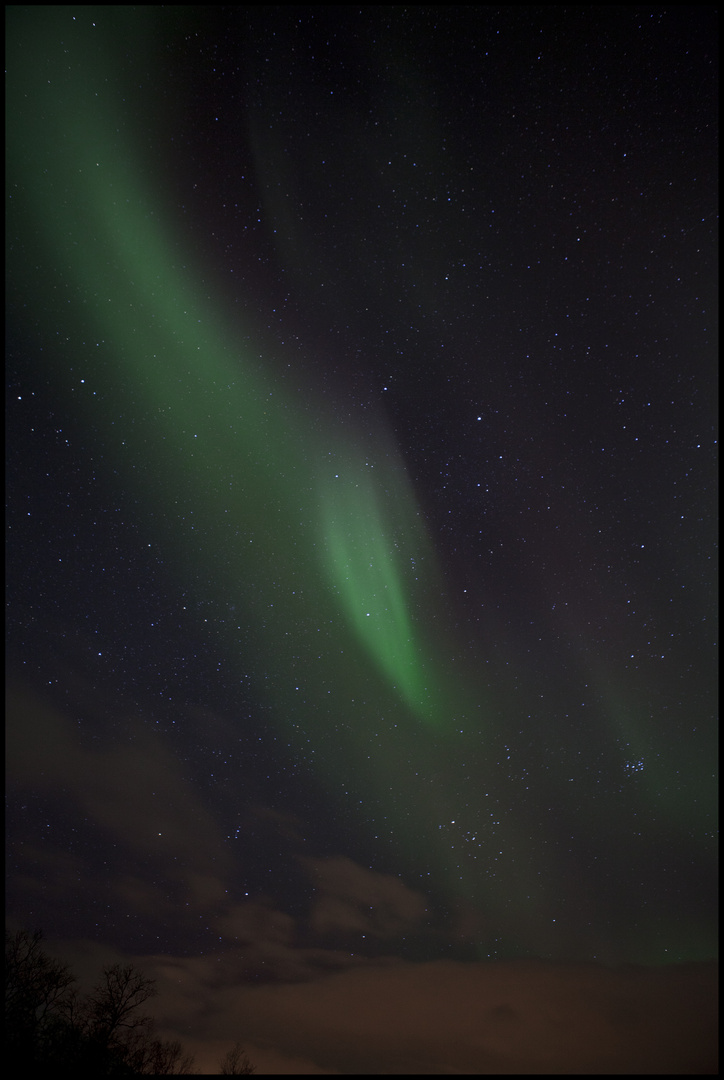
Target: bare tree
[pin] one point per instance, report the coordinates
(36, 987)
(157, 1057)
(116, 1024)
(169, 1058)
(113, 1004)
(49, 1025)
(236, 1063)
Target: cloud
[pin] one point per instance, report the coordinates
(303, 1009)
(446, 1017)
(294, 988)
(263, 944)
(123, 826)
(355, 900)
(134, 790)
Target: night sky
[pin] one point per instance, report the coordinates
(361, 510)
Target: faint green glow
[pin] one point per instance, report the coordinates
(661, 779)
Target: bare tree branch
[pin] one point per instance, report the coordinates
(236, 1063)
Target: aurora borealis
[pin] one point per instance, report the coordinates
(361, 499)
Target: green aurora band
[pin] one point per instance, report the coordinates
(307, 523)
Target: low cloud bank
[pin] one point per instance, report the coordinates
(444, 1017)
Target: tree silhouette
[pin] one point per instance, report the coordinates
(236, 1063)
(48, 1025)
(36, 988)
(112, 1014)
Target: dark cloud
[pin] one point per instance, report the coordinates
(514, 1017)
(355, 900)
(303, 990)
(134, 790)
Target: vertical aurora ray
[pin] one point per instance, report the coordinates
(366, 565)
